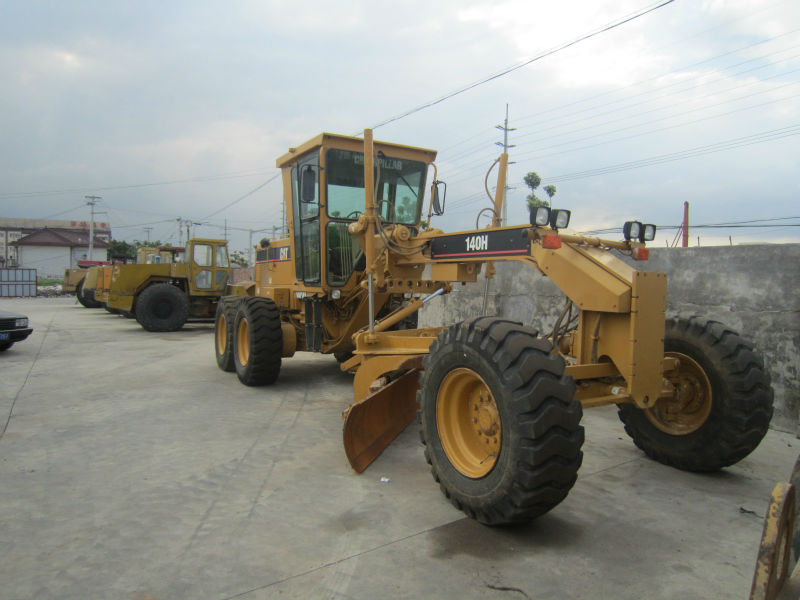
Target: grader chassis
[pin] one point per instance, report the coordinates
(499, 405)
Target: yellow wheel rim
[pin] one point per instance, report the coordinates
(690, 405)
(243, 342)
(468, 423)
(222, 333)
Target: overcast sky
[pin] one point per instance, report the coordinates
(176, 109)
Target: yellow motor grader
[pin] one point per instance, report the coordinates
(499, 404)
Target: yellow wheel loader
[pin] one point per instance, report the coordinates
(174, 284)
(499, 404)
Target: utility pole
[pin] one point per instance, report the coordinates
(685, 226)
(147, 230)
(505, 146)
(91, 201)
(250, 247)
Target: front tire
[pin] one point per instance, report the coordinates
(223, 331)
(499, 421)
(722, 404)
(162, 307)
(5, 346)
(257, 341)
(86, 297)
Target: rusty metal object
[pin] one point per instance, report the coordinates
(373, 422)
(774, 553)
(687, 409)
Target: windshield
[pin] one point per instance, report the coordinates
(399, 183)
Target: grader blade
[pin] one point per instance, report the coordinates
(372, 423)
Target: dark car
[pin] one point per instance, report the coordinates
(13, 328)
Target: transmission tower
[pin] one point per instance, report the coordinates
(505, 146)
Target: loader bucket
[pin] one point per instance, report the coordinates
(372, 423)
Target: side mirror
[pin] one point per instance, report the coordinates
(438, 202)
(308, 183)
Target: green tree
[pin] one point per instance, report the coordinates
(533, 181)
(147, 244)
(121, 250)
(238, 259)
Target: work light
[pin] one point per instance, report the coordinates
(540, 216)
(631, 230)
(559, 218)
(648, 232)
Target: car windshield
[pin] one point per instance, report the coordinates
(399, 183)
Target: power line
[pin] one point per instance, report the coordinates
(129, 186)
(522, 64)
(683, 154)
(691, 88)
(240, 198)
(753, 223)
(570, 116)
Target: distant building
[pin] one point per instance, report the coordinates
(50, 246)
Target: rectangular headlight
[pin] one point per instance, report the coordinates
(631, 230)
(540, 216)
(649, 233)
(21, 322)
(559, 218)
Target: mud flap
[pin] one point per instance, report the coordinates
(372, 423)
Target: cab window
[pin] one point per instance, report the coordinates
(222, 257)
(202, 255)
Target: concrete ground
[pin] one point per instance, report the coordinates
(132, 467)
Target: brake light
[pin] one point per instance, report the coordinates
(641, 253)
(551, 241)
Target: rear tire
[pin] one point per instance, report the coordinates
(86, 297)
(257, 341)
(223, 331)
(723, 402)
(499, 421)
(162, 307)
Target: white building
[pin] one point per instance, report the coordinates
(13, 230)
(51, 251)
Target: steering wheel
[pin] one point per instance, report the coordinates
(354, 215)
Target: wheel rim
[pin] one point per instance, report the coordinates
(222, 333)
(690, 405)
(468, 423)
(243, 342)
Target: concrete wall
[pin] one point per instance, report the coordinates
(752, 289)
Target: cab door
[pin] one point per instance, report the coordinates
(209, 267)
(305, 201)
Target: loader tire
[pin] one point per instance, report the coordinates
(499, 421)
(223, 331)
(257, 341)
(722, 406)
(162, 307)
(86, 297)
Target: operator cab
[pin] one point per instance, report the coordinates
(326, 179)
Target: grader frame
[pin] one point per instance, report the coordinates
(499, 405)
